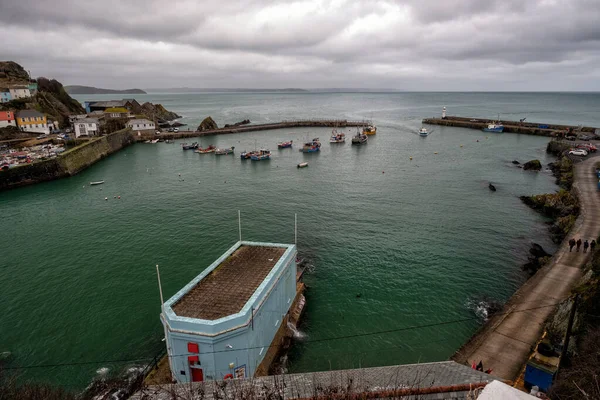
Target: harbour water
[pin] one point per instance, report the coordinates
(394, 244)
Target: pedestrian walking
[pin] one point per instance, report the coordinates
(586, 244)
(571, 244)
(592, 246)
(578, 244)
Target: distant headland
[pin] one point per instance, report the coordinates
(77, 89)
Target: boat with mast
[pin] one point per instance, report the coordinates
(222, 152)
(370, 129)
(359, 138)
(209, 149)
(262, 154)
(495, 127)
(337, 137)
(192, 146)
(311, 146)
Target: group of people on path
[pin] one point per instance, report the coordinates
(586, 244)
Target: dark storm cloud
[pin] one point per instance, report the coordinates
(413, 44)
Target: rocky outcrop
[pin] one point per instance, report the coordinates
(557, 147)
(12, 73)
(156, 112)
(515, 162)
(563, 171)
(244, 122)
(208, 124)
(537, 259)
(534, 165)
(563, 207)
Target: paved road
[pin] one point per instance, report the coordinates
(506, 342)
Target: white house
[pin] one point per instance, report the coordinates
(141, 125)
(86, 127)
(19, 92)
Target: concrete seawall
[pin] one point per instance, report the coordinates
(325, 123)
(67, 164)
(529, 128)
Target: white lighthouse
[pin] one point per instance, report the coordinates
(444, 113)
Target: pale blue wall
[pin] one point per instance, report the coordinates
(271, 302)
(4, 97)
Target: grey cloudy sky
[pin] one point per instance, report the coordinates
(406, 45)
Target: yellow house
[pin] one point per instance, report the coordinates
(32, 121)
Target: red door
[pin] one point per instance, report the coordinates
(197, 375)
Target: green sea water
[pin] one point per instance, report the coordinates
(392, 243)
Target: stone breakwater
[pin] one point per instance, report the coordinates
(529, 128)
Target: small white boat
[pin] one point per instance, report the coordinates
(423, 132)
(303, 165)
(154, 141)
(96, 183)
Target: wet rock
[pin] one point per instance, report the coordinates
(244, 122)
(538, 257)
(492, 187)
(208, 124)
(516, 162)
(534, 165)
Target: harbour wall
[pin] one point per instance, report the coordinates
(529, 128)
(325, 123)
(68, 163)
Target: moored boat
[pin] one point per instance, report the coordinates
(302, 165)
(496, 127)
(96, 183)
(262, 154)
(209, 149)
(359, 138)
(312, 146)
(285, 145)
(192, 146)
(337, 137)
(222, 152)
(370, 130)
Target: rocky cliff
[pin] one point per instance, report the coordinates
(158, 112)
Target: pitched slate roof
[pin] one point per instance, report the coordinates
(139, 122)
(29, 113)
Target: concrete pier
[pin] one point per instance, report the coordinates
(312, 123)
(529, 128)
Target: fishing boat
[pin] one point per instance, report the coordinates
(337, 137)
(312, 146)
(423, 132)
(96, 183)
(360, 138)
(192, 146)
(222, 152)
(496, 127)
(370, 130)
(285, 145)
(302, 165)
(209, 149)
(246, 155)
(262, 154)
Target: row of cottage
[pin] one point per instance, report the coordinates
(15, 92)
(88, 124)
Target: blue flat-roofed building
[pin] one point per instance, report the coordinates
(222, 324)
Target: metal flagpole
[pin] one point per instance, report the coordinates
(240, 223)
(162, 309)
(295, 229)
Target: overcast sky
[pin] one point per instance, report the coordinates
(406, 45)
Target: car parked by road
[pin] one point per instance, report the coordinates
(578, 152)
(590, 148)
